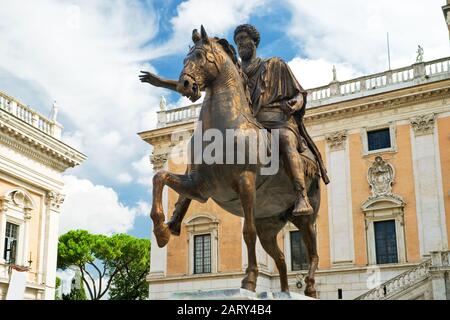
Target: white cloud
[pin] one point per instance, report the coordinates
(314, 73)
(144, 171)
(354, 31)
(86, 55)
(142, 208)
(124, 178)
(94, 208)
(216, 16)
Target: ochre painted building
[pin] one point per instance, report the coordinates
(385, 139)
(384, 221)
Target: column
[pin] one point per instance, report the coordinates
(53, 205)
(428, 184)
(339, 200)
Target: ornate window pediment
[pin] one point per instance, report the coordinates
(203, 225)
(19, 200)
(15, 214)
(382, 203)
(383, 207)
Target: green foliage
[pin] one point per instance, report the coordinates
(120, 260)
(129, 283)
(57, 285)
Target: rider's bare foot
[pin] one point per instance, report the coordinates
(302, 207)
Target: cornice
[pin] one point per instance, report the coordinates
(392, 99)
(39, 146)
(156, 136)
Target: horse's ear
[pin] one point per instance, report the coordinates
(204, 35)
(195, 36)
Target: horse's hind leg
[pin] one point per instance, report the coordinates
(267, 229)
(186, 185)
(306, 225)
(246, 191)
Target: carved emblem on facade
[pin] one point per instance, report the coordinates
(380, 177)
(423, 124)
(336, 140)
(158, 161)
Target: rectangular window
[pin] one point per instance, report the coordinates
(299, 256)
(385, 242)
(379, 139)
(202, 253)
(10, 253)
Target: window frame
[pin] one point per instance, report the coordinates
(16, 208)
(371, 132)
(202, 236)
(382, 209)
(17, 243)
(365, 139)
(375, 240)
(201, 224)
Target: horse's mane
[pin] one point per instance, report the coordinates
(231, 52)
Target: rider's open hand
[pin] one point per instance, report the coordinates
(150, 78)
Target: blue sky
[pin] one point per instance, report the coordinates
(87, 56)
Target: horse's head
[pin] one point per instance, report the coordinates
(202, 64)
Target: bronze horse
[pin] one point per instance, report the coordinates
(265, 201)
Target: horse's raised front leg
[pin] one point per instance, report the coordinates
(187, 185)
(246, 190)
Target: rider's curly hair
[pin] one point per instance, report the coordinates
(251, 31)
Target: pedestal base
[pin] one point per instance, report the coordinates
(237, 294)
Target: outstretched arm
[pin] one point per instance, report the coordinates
(156, 81)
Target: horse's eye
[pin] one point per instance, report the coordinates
(198, 55)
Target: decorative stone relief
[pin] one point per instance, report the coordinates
(336, 140)
(19, 199)
(158, 161)
(423, 124)
(380, 177)
(55, 200)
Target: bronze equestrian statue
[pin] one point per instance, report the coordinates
(266, 202)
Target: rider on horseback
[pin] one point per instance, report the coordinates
(278, 102)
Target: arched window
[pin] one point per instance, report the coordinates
(385, 230)
(203, 244)
(15, 215)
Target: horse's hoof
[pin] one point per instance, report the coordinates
(248, 285)
(174, 228)
(249, 282)
(162, 235)
(311, 293)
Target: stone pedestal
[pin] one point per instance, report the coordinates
(237, 294)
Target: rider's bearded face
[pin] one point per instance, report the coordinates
(246, 46)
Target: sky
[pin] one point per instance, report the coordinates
(87, 55)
